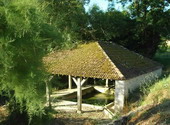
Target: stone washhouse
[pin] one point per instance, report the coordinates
(103, 60)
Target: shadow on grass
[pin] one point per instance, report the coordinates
(163, 110)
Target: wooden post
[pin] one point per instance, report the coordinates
(79, 82)
(48, 95)
(48, 91)
(69, 82)
(107, 83)
(79, 96)
(94, 81)
(113, 84)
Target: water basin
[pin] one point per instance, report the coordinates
(96, 98)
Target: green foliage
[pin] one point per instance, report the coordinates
(25, 36)
(139, 27)
(159, 92)
(111, 25)
(58, 83)
(30, 29)
(163, 56)
(152, 24)
(70, 18)
(46, 119)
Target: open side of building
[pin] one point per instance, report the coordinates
(104, 60)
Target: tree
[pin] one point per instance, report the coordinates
(112, 25)
(151, 24)
(26, 35)
(71, 19)
(140, 26)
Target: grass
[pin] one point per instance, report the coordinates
(158, 92)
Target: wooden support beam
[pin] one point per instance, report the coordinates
(75, 80)
(107, 83)
(69, 82)
(48, 95)
(94, 81)
(114, 83)
(79, 96)
(79, 82)
(83, 81)
(48, 92)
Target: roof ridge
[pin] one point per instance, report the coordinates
(118, 71)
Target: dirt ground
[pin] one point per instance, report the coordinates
(86, 118)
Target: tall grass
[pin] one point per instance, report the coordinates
(159, 92)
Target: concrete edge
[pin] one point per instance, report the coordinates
(107, 110)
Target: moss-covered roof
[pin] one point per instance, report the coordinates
(99, 60)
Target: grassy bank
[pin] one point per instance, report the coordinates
(159, 92)
(157, 102)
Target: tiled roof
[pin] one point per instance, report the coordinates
(99, 60)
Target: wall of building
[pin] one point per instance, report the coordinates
(123, 87)
(136, 82)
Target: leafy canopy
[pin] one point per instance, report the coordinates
(26, 34)
(141, 26)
